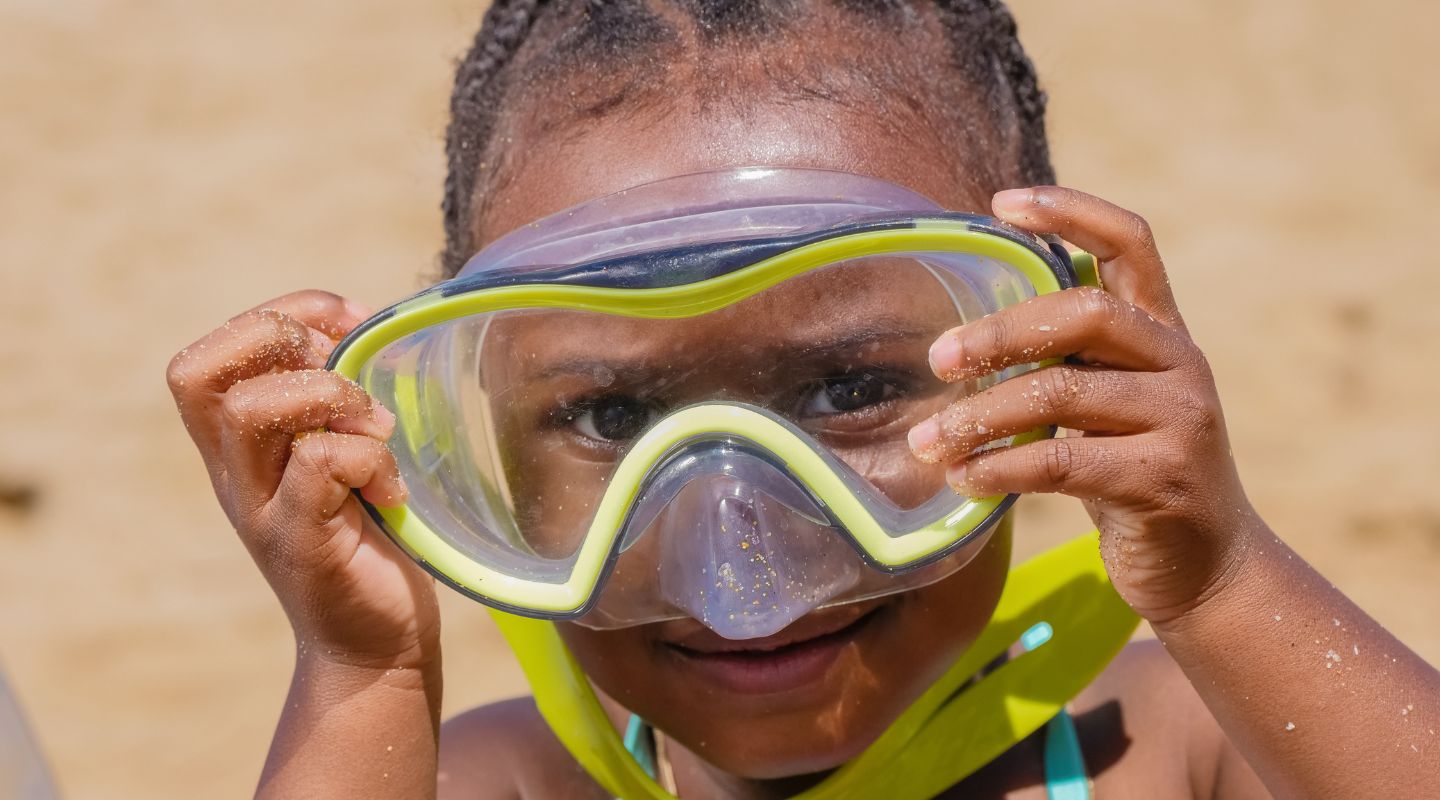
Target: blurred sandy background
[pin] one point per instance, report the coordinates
(165, 164)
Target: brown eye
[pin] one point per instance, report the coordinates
(614, 419)
(848, 393)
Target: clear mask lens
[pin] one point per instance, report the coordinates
(514, 424)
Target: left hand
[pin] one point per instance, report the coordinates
(1152, 463)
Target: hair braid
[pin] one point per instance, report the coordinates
(989, 26)
(474, 105)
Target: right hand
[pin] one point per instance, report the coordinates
(285, 442)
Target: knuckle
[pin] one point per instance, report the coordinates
(1193, 409)
(317, 296)
(320, 306)
(240, 407)
(1059, 389)
(179, 373)
(1095, 305)
(996, 335)
(1057, 461)
(282, 338)
(1193, 359)
(340, 396)
(1200, 416)
(285, 330)
(315, 455)
(1142, 237)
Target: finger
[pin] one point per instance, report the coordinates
(1076, 397)
(1089, 323)
(1089, 467)
(327, 312)
(1130, 264)
(260, 340)
(296, 331)
(322, 470)
(261, 417)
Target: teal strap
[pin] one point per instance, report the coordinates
(1065, 776)
(640, 744)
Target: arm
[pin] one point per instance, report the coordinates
(355, 731)
(1253, 627)
(287, 443)
(1319, 697)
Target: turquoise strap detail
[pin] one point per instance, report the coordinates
(638, 742)
(1065, 776)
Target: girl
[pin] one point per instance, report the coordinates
(1265, 677)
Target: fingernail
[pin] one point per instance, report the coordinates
(1013, 200)
(384, 417)
(955, 476)
(945, 355)
(924, 436)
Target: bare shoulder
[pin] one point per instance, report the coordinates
(1146, 733)
(505, 751)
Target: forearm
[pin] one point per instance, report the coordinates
(1318, 697)
(354, 732)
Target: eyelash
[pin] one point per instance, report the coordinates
(567, 417)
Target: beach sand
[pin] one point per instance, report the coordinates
(166, 164)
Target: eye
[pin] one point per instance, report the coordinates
(848, 393)
(613, 419)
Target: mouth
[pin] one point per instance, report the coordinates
(791, 659)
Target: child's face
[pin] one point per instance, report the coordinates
(846, 672)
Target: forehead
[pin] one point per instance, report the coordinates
(901, 128)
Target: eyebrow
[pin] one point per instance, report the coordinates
(879, 331)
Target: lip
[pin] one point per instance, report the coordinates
(794, 658)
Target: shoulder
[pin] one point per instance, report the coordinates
(506, 750)
(1146, 732)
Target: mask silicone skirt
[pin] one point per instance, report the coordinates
(714, 429)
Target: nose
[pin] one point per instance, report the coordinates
(745, 564)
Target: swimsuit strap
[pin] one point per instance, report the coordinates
(640, 743)
(1065, 776)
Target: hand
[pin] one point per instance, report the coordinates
(1152, 462)
(285, 442)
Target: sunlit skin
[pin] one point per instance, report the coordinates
(1235, 696)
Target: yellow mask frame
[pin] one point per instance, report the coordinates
(571, 597)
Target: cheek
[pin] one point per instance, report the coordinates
(622, 663)
(940, 621)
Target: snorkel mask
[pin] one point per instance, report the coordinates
(691, 399)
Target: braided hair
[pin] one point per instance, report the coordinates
(549, 36)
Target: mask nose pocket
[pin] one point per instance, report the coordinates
(743, 549)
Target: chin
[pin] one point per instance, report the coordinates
(813, 753)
